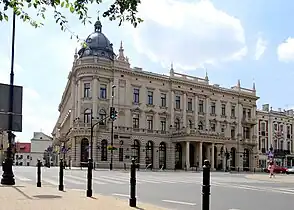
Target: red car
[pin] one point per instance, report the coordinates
(278, 169)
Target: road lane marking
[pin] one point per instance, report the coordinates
(179, 202)
(24, 179)
(108, 179)
(121, 195)
(84, 179)
(50, 181)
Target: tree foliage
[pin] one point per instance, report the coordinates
(121, 10)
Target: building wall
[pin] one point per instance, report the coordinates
(184, 96)
(39, 143)
(23, 159)
(275, 129)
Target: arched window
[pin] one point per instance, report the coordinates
(84, 151)
(162, 155)
(104, 150)
(177, 124)
(246, 163)
(149, 153)
(102, 117)
(121, 151)
(87, 116)
(136, 150)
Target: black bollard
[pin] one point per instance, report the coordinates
(89, 185)
(39, 173)
(133, 200)
(206, 185)
(61, 186)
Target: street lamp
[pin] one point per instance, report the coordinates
(111, 137)
(8, 176)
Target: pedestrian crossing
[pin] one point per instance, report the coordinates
(124, 179)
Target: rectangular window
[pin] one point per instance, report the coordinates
(233, 132)
(212, 127)
(87, 90)
(201, 107)
(103, 91)
(212, 108)
(190, 104)
(281, 128)
(150, 97)
(233, 112)
(136, 95)
(163, 124)
(223, 110)
(244, 113)
(249, 114)
(262, 126)
(87, 117)
(246, 133)
(135, 121)
(163, 99)
(150, 123)
(178, 102)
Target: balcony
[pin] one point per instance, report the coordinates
(249, 120)
(281, 152)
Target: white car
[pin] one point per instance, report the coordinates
(290, 170)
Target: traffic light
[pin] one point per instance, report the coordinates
(113, 113)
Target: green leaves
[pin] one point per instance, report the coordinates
(121, 10)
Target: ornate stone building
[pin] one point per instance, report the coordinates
(275, 130)
(173, 121)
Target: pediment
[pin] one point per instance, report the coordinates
(138, 110)
(150, 111)
(164, 113)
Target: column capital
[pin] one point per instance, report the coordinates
(95, 77)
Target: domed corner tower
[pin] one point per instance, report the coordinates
(97, 44)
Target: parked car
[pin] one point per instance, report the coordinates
(278, 169)
(290, 170)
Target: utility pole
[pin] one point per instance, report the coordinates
(8, 176)
(112, 119)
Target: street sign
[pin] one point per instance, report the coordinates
(16, 110)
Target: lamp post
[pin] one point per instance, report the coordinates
(8, 176)
(111, 137)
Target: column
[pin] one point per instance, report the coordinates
(185, 110)
(224, 158)
(95, 97)
(116, 92)
(79, 98)
(188, 154)
(207, 113)
(212, 157)
(200, 155)
(196, 112)
(172, 100)
(73, 102)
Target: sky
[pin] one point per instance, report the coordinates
(246, 39)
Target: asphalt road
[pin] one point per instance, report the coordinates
(175, 190)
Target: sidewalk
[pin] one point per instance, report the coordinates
(28, 197)
(278, 178)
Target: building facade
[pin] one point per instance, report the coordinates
(275, 130)
(39, 143)
(172, 122)
(22, 156)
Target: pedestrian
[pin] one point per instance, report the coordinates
(271, 170)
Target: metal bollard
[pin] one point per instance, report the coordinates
(206, 185)
(133, 200)
(89, 184)
(61, 186)
(39, 173)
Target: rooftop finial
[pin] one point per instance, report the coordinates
(98, 25)
(121, 55)
(239, 83)
(206, 75)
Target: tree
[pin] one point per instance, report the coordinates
(121, 10)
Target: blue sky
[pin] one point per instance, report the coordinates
(246, 39)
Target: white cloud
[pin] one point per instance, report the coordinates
(285, 50)
(188, 34)
(260, 47)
